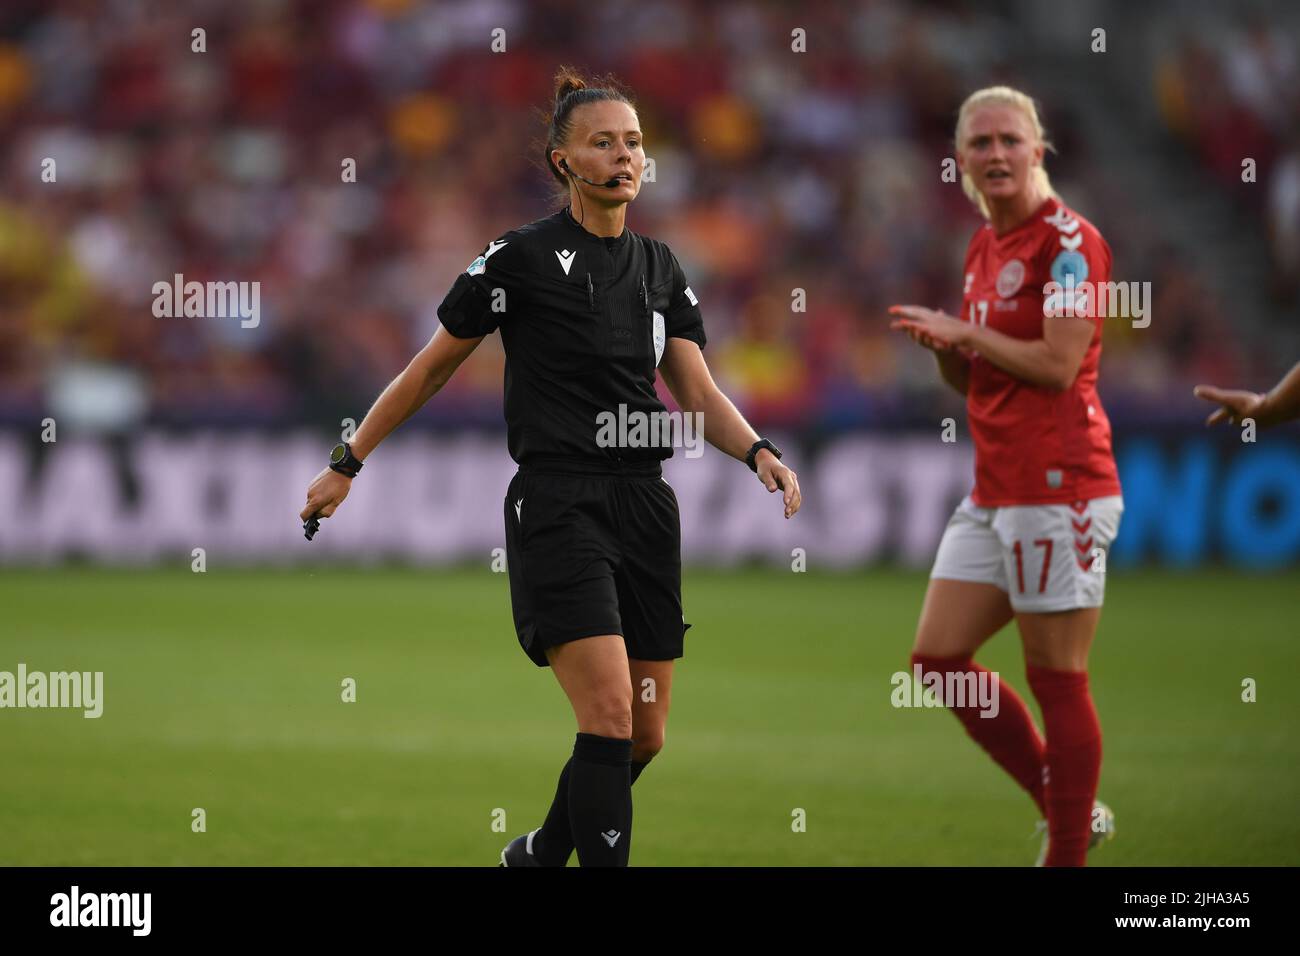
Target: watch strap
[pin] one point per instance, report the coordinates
(349, 464)
(756, 448)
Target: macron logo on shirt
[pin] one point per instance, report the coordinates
(566, 259)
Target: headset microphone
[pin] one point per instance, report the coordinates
(611, 183)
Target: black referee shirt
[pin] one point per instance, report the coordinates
(584, 321)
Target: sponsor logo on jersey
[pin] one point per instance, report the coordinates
(1011, 278)
(1062, 220)
(1068, 226)
(566, 259)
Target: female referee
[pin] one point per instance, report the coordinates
(587, 311)
(1029, 542)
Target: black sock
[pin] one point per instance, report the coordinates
(553, 843)
(600, 800)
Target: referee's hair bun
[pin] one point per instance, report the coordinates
(567, 80)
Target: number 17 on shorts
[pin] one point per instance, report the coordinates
(1046, 557)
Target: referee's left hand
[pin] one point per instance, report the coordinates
(775, 475)
(325, 493)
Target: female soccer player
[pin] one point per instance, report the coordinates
(1029, 542)
(587, 310)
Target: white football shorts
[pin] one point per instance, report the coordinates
(1046, 557)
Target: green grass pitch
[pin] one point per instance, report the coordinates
(222, 690)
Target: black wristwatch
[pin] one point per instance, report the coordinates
(758, 446)
(343, 461)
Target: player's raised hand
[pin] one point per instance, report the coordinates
(931, 328)
(1235, 404)
(776, 476)
(325, 493)
(928, 341)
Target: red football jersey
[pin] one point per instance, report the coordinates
(1036, 445)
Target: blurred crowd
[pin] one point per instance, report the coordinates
(1237, 95)
(775, 171)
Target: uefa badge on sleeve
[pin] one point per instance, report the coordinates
(1069, 268)
(659, 338)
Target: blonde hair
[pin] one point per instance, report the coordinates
(1002, 96)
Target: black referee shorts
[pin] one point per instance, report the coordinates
(595, 553)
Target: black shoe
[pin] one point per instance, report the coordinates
(519, 852)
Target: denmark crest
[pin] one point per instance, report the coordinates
(1011, 278)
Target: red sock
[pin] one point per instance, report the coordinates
(1010, 738)
(1073, 761)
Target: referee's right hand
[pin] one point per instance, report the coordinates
(325, 493)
